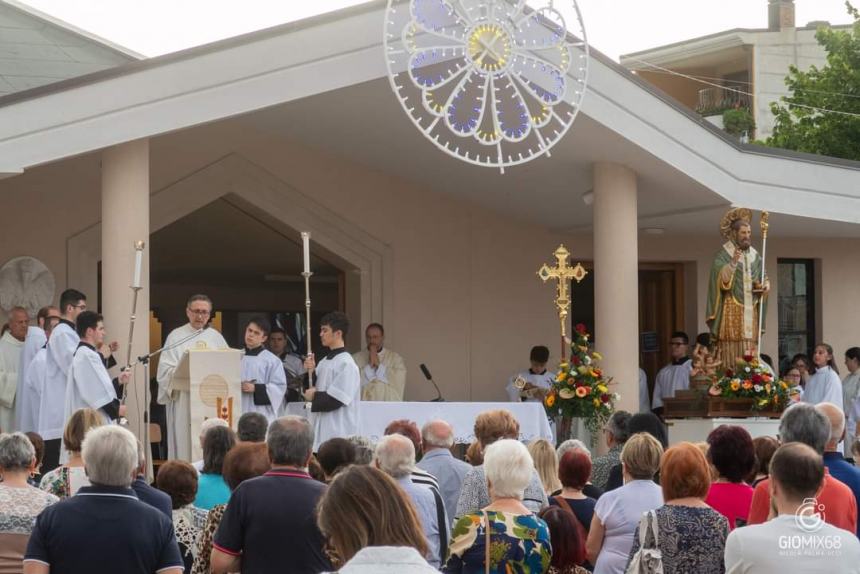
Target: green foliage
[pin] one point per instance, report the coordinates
(737, 121)
(836, 86)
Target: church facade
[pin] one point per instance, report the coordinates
(295, 129)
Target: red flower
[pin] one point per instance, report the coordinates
(757, 379)
(604, 398)
(730, 373)
(580, 328)
(576, 361)
(748, 357)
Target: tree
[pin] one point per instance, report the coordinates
(836, 86)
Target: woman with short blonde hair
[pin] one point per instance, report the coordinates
(618, 511)
(65, 480)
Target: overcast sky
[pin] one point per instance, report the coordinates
(154, 27)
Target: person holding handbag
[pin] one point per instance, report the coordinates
(684, 535)
(505, 536)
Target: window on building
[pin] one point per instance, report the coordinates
(796, 308)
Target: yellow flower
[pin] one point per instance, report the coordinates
(597, 356)
(783, 385)
(735, 385)
(560, 376)
(767, 388)
(582, 369)
(596, 402)
(581, 392)
(602, 388)
(563, 365)
(549, 400)
(763, 402)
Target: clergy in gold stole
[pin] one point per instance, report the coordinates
(383, 372)
(735, 291)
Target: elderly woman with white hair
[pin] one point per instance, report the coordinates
(20, 503)
(504, 536)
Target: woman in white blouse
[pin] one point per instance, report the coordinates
(851, 392)
(824, 386)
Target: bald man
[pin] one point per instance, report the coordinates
(35, 340)
(11, 345)
(438, 438)
(836, 465)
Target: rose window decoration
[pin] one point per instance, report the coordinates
(492, 82)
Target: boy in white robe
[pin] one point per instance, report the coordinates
(675, 376)
(89, 385)
(194, 335)
(52, 401)
(264, 381)
(537, 378)
(336, 396)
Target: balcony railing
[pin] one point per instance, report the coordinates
(716, 100)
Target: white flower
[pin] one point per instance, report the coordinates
(747, 369)
(587, 360)
(758, 388)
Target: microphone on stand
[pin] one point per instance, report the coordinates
(429, 377)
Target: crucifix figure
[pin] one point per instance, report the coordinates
(562, 273)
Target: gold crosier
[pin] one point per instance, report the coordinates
(562, 273)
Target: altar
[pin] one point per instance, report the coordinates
(376, 415)
(698, 429)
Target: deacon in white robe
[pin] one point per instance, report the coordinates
(178, 403)
(264, 381)
(52, 401)
(534, 380)
(383, 372)
(671, 379)
(10, 359)
(90, 386)
(35, 340)
(336, 396)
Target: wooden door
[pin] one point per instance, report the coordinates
(661, 311)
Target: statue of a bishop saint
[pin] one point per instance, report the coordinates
(735, 290)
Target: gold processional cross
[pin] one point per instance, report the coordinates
(562, 273)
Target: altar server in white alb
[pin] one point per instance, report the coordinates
(36, 339)
(537, 379)
(264, 381)
(33, 380)
(676, 375)
(192, 335)
(61, 349)
(383, 372)
(11, 346)
(89, 385)
(824, 385)
(336, 395)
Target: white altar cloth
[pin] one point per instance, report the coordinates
(697, 430)
(375, 416)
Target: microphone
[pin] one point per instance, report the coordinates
(429, 377)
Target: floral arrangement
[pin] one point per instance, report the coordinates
(751, 379)
(579, 389)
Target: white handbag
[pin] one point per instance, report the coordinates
(647, 560)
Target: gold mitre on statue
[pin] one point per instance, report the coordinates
(729, 219)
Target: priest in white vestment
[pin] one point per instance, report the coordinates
(675, 376)
(52, 400)
(531, 385)
(383, 372)
(264, 380)
(192, 335)
(336, 395)
(31, 380)
(11, 346)
(89, 385)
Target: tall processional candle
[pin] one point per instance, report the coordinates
(138, 264)
(306, 273)
(306, 247)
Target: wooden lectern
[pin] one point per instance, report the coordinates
(213, 379)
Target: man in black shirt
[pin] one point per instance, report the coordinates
(269, 521)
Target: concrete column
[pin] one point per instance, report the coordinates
(125, 220)
(616, 279)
